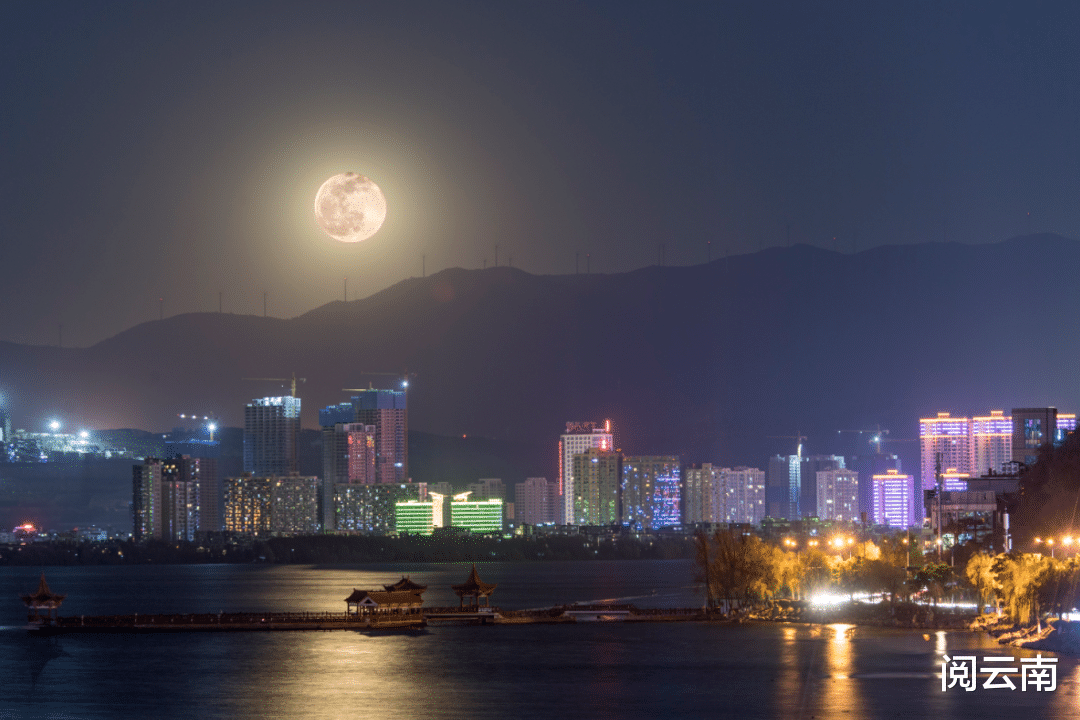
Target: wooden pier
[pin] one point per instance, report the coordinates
(397, 607)
(226, 622)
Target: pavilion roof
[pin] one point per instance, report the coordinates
(473, 585)
(44, 597)
(385, 598)
(405, 583)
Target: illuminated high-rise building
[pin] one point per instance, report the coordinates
(348, 459)
(651, 491)
(699, 493)
(991, 443)
(181, 480)
(596, 487)
(371, 508)
(536, 501)
(894, 500)
(712, 494)
(579, 437)
(146, 500)
(783, 487)
(386, 411)
(739, 496)
(349, 454)
(479, 516)
(197, 445)
(165, 498)
(946, 438)
(278, 505)
(271, 436)
(837, 494)
(417, 517)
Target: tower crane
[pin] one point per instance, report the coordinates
(879, 436)
(405, 375)
(797, 436)
(292, 381)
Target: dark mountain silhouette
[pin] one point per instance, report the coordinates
(704, 361)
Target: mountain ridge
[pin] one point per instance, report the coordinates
(706, 361)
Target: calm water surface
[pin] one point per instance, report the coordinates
(676, 670)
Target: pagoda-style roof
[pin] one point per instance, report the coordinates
(474, 586)
(405, 583)
(44, 597)
(380, 598)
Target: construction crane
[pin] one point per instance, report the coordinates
(878, 436)
(404, 375)
(293, 380)
(797, 436)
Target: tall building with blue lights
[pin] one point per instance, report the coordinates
(651, 491)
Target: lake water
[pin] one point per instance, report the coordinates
(618, 670)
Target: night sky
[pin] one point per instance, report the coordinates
(173, 150)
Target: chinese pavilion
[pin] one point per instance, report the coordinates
(474, 588)
(405, 583)
(42, 600)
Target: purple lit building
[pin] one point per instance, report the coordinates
(894, 500)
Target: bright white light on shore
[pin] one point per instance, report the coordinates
(54, 425)
(83, 434)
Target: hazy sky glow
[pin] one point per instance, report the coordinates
(174, 149)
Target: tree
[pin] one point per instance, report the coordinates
(980, 573)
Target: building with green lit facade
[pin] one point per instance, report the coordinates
(478, 516)
(414, 517)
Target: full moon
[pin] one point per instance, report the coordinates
(350, 207)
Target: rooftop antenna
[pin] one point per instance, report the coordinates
(264, 303)
(423, 266)
(346, 289)
(708, 244)
(588, 263)
(161, 308)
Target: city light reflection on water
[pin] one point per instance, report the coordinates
(592, 670)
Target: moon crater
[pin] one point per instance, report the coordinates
(350, 207)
